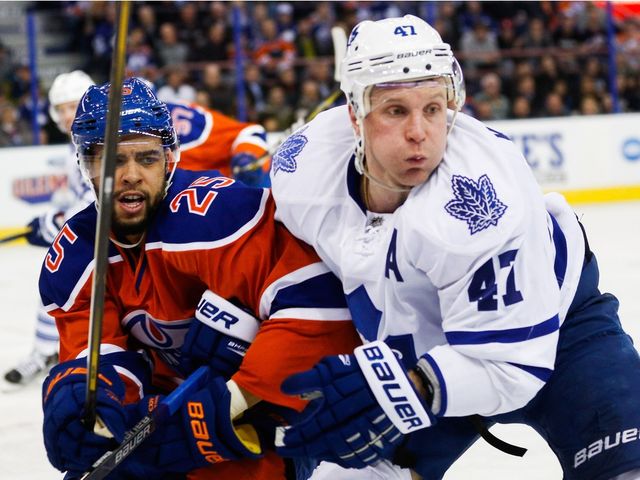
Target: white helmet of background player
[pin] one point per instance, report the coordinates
(403, 49)
(67, 87)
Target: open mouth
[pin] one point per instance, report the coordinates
(132, 202)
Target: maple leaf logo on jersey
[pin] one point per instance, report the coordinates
(285, 158)
(476, 203)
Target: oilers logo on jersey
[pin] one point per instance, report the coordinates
(161, 334)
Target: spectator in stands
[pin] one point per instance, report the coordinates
(278, 108)
(323, 19)
(140, 56)
(526, 87)
(171, 51)
(561, 87)
(629, 91)
(446, 24)
(189, 27)
(309, 98)
(506, 35)
(20, 81)
(305, 42)
(274, 53)
(470, 15)
(176, 89)
(288, 80)
(491, 94)
(554, 106)
(6, 62)
(146, 20)
(215, 47)
(14, 132)
(589, 87)
(594, 25)
(322, 74)
(203, 99)
(520, 108)
(99, 30)
(221, 94)
(567, 35)
(482, 110)
(546, 75)
(270, 123)
(593, 68)
(218, 12)
(285, 22)
(480, 48)
(629, 41)
(536, 36)
(255, 91)
(589, 105)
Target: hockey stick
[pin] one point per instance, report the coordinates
(339, 38)
(15, 236)
(145, 427)
(105, 202)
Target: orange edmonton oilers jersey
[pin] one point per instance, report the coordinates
(208, 139)
(213, 233)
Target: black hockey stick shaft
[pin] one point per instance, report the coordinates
(105, 203)
(15, 236)
(145, 427)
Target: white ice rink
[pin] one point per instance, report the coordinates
(614, 234)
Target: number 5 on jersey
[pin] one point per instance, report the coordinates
(56, 253)
(484, 289)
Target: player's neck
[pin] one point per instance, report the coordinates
(379, 199)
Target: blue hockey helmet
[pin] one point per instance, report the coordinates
(141, 114)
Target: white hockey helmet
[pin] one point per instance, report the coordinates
(67, 87)
(396, 50)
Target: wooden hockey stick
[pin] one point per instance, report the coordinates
(15, 236)
(339, 38)
(105, 203)
(145, 427)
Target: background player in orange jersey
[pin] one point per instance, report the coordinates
(196, 264)
(210, 140)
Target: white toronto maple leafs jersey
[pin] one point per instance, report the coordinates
(475, 272)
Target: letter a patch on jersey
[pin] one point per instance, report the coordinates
(475, 202)
(392, 262)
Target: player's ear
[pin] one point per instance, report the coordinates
(354, 123)
(172, 157)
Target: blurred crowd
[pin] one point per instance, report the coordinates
(520, 59)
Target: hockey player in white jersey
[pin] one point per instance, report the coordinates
(473, 292)
(64, 95)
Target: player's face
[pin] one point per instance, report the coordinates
(67, 112)
(406, 132)
(139, 184)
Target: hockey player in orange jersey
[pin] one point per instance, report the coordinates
(210, 140)
(197, 266)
